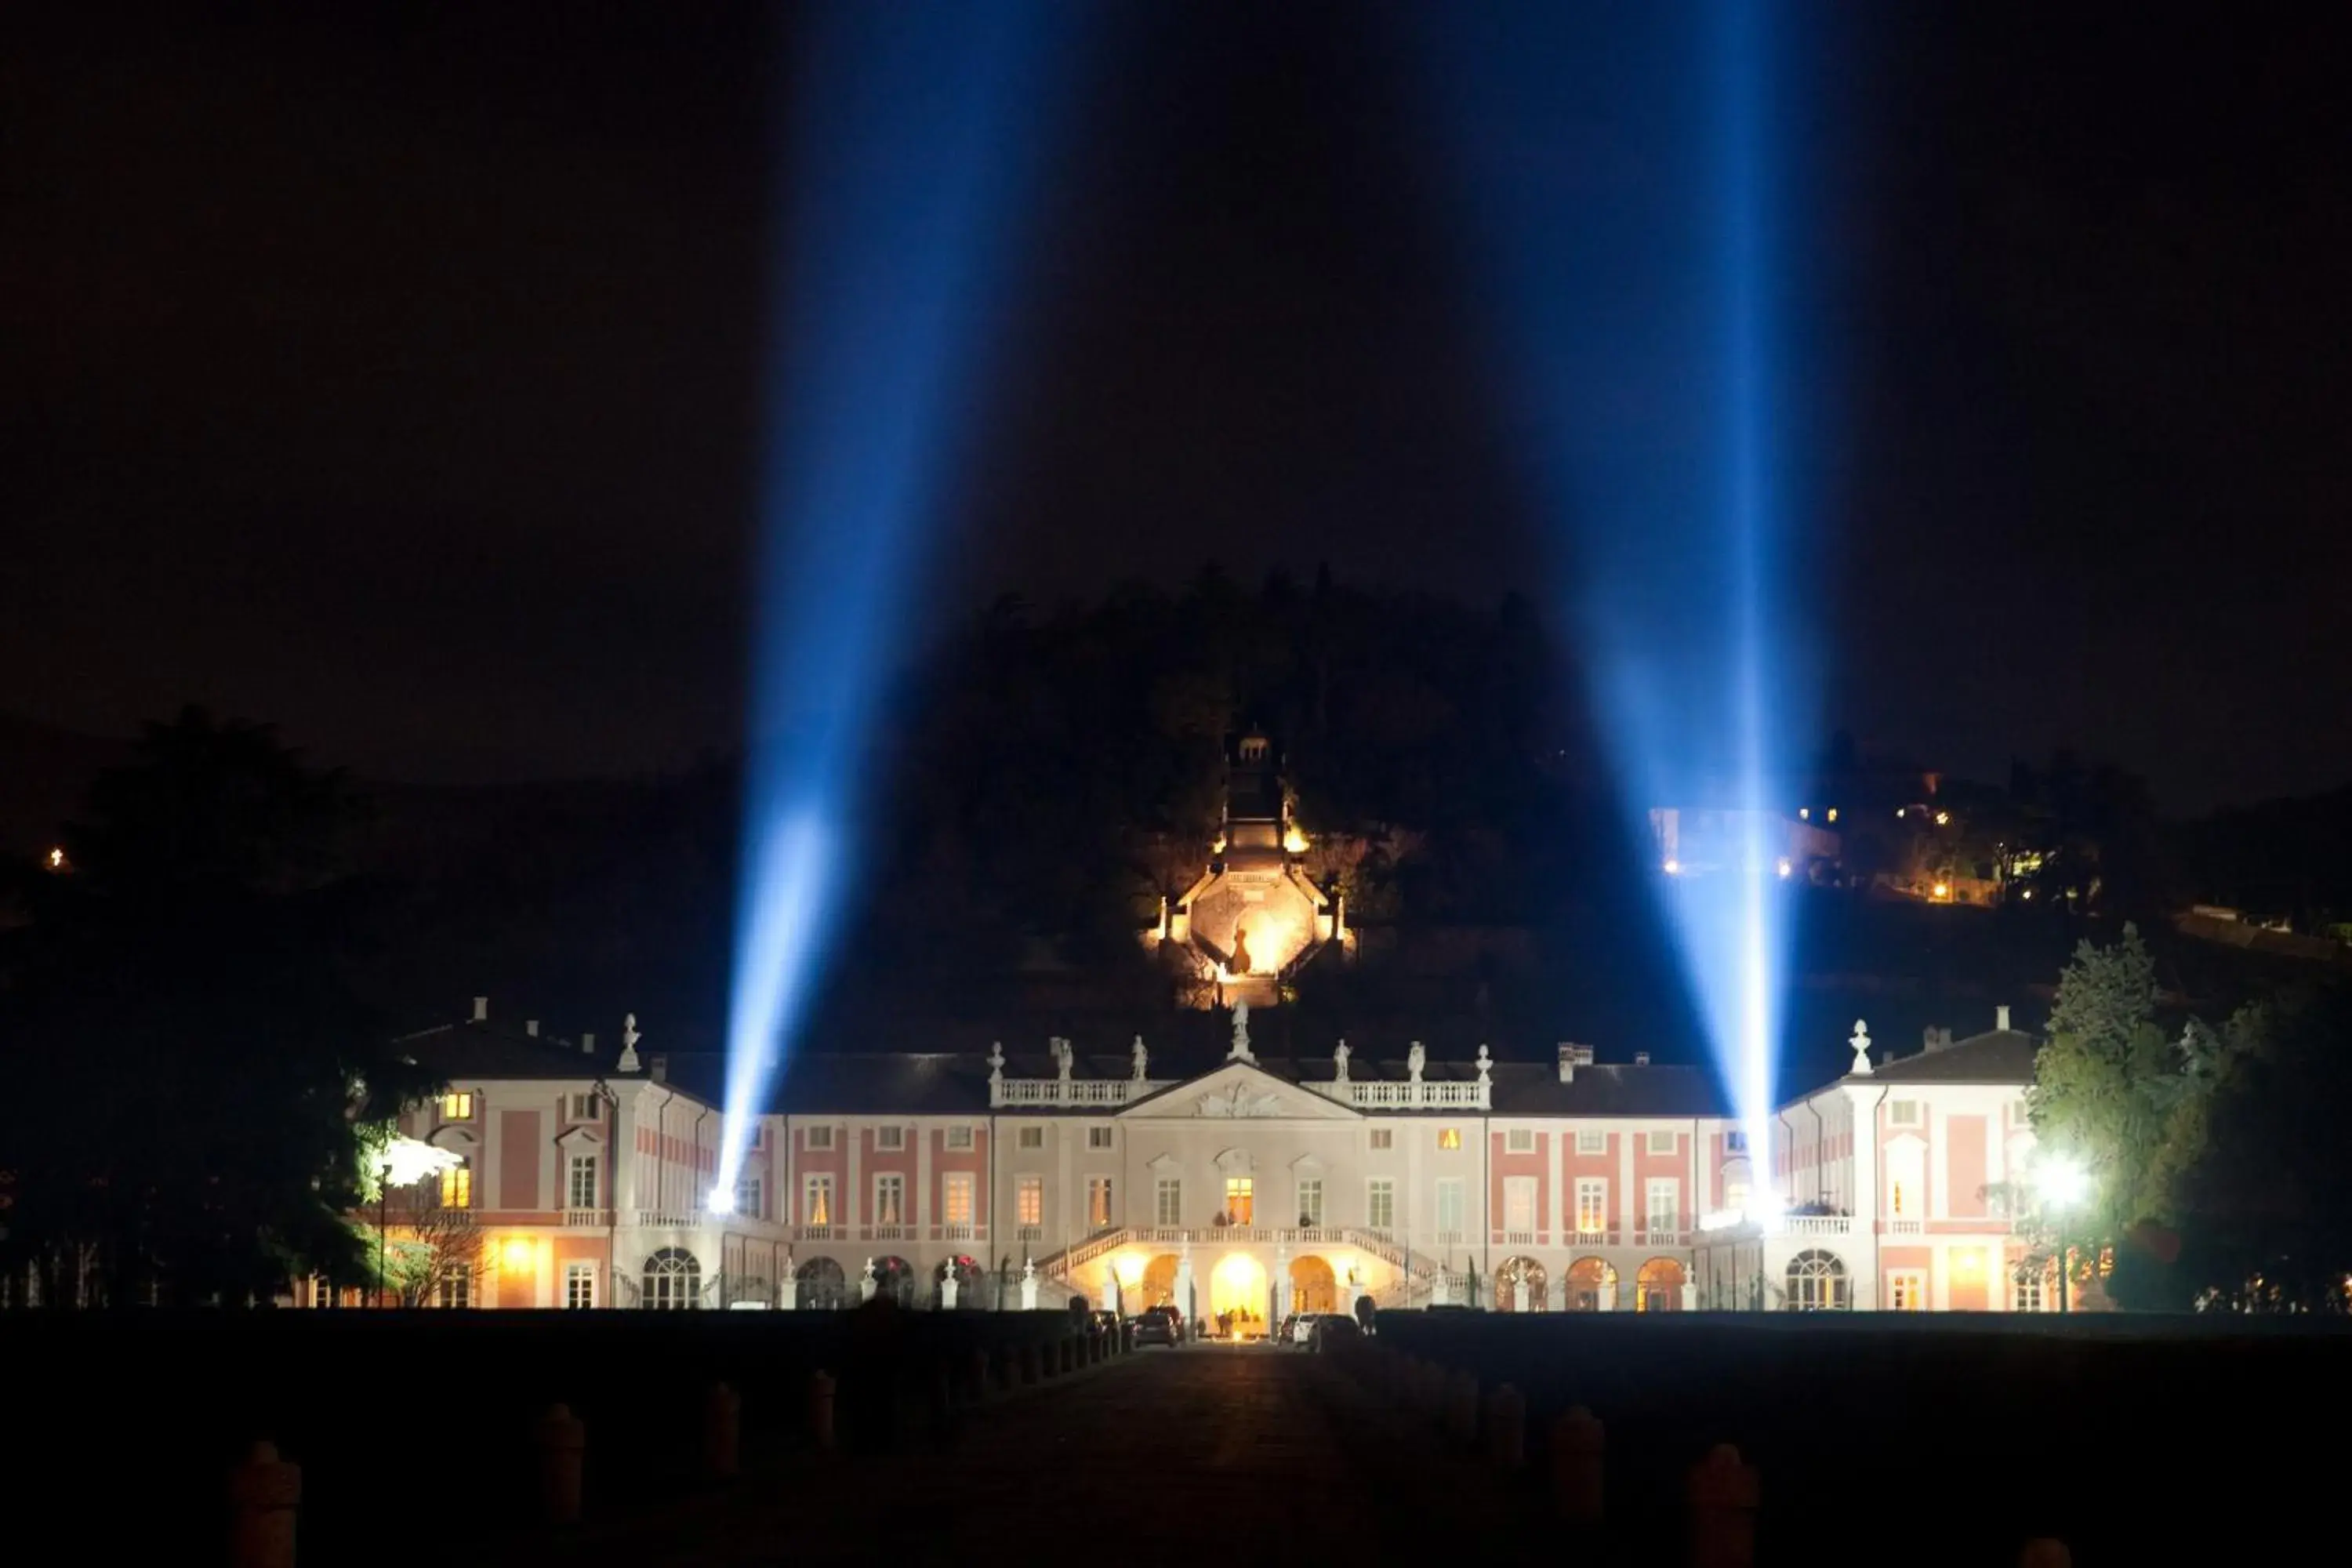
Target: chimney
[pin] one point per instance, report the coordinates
(481, 1009)
(1641, 1059)
(587, 1045)
(2001, 1017)
(530, 1028)
(658, 1069)
(1568, 1064)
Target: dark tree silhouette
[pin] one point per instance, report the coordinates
(187, 1060)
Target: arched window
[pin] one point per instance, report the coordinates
(1817, 1283)
(673, 1280)
(823, 1286)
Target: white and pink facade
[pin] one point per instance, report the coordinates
(1238, 1187)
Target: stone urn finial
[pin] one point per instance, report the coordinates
(1861, 1044)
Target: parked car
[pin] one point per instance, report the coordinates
(1333, 1329)
(1158, 1326)
(1288, 1333)
(1301, 1328)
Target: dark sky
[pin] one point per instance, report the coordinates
(393, 375)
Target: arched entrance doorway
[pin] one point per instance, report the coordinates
(823, 1286)
(1158, 1287)
(1237, 1296)
(895, 1277)
(1313, 1287)
(1658, 1288)
(1817, 1282)
(1588, 1280)
(673, 1280)
(1519, 1286)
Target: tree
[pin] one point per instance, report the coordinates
(188, 1060)
(2115, 1095)
(430, 1252)
(2264, 1202)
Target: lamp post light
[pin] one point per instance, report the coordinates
(2064, 1184)
(383, 1211)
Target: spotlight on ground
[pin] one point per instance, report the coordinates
(909, 151)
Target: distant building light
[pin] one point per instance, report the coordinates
(57, 859)
(1901, 811)
(1295, 842)
(2027, 894)
(1673, 867)
(1804, 814)
(1785, 866)
(1943, 818)
(1943, 889)
(1832, 814)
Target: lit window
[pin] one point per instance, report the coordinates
(817, 1199)
(1240, 1200)
(458, 1107)
(1662, 1206)
(1097, 1137)
(1310, 1201)
(1591, 1205)
(456, 1287)
(1898, 1197)
(889, 1138)
(322, 1293)
(1589, 1142)
(1518, 1204)
(955, 1199)
(2028, 1298)
(1817, 1282)
(1519, 1141)
(1903, 1112)
(1379, 1204)
(1449, 1137)
(1383, 1138)
(1906, 1291)
(1099, 1202)
(580, 1183)
(817, 1137)
(579, 1286)
(1662, 1142)
(457, 1186)
(1029, 1201)
(1031, 1137)
(890, 1199)
(1734, 1192)
(750, 1198)
(958, 1138)
(1168, 1201)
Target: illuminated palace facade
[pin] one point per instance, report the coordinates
(1241, 1188)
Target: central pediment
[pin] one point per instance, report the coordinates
(1238, 1091)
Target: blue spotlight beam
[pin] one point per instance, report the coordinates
(1619, 164)
(909, 153)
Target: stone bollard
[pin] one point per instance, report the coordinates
(265, 1494)
(2044, 1552)
(1506, 1428)
(562, 1445)
(820, 1409)
(1462, 1408)
(723, 1432)
(1724, 1493)
(1576, 1447)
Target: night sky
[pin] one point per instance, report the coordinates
(394, 375)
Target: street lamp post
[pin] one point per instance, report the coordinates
(383, 1212)
(2064, 1184)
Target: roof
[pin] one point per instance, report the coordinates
(1997, 1056)
(481, 1049)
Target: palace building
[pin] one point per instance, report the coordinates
(1238, 1187)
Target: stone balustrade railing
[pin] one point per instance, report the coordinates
(1069, 1093)
(1408, 1094)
